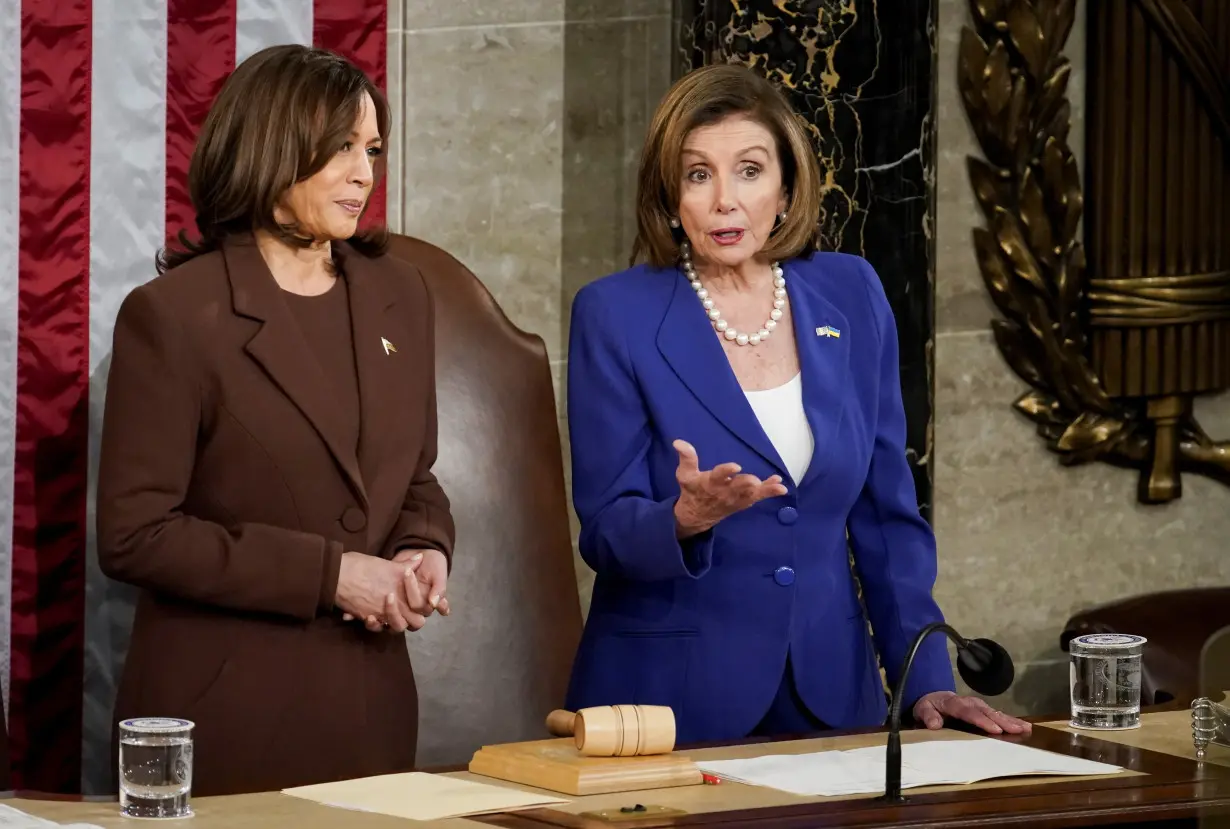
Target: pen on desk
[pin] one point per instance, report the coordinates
(710, 780)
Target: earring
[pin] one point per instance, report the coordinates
(674, 222)
(782, 216)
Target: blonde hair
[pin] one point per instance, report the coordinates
(705, 96)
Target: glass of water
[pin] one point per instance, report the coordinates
(1105, 679)
(155, 767)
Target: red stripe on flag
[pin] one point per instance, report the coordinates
(200, 56)
(49, 497)
(359, 31)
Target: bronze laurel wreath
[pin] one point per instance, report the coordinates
(1013, 79)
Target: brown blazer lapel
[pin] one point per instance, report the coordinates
(383, 396)
(280, 348)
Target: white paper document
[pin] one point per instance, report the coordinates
(11, 818)
(927, 763)
(421, 796)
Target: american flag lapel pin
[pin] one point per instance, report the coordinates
(828, 331)
(388, 346)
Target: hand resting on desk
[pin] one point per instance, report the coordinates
(931, 709)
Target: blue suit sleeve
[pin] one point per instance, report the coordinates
(627, 530)
(894, 547)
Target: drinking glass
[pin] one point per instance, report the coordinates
(1105, 680)
(155, 767)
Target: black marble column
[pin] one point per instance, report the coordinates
(862, 73)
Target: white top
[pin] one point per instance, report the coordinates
(781, 415)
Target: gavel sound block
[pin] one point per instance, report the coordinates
(617, 748)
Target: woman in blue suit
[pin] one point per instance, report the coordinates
(735, 415)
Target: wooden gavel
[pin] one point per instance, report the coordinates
(617, 730)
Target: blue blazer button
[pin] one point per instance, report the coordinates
(784, 576)
(787, 515)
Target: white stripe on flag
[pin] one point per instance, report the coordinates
(127, 221)
(10, 132)
(261, 23)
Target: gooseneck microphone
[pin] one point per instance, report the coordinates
(986, 668)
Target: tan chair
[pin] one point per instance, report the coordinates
(491, 671)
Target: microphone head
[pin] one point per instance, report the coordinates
(985, 667)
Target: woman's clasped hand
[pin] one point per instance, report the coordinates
(393, 595)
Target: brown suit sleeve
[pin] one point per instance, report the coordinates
(149, 436)
(426, 520)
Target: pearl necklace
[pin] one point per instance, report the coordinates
(720, 325)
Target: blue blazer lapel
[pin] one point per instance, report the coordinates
(689, 344)
(823, 338)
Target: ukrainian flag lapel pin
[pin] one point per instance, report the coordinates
(388, 346)
(828, 331)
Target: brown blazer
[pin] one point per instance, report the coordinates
(225, 492)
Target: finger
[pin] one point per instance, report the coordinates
(415, 600)
(725, 471)
(406, 557)
(776, 484)
(415, 621)
(689, 464)
(771, 484)
(393, 614)
(443, 607)
(373, 624)
(978, 715)
(347, 617)
(743, 488)
(1010, 724)
(929, 715)
(768, 490)
(436, 587)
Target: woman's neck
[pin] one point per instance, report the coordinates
(307, 271)
(750, 276)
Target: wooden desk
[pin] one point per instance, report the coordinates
(1164, 787)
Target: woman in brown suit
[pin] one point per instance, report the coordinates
(267, 447)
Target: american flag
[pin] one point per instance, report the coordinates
(100, 103)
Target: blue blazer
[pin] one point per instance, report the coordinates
(705, 626)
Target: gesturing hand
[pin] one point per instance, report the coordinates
(705, 498)
(383, 593)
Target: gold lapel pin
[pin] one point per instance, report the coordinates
(828, 331)
(388, 346)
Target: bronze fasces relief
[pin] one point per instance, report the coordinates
(1115, 345)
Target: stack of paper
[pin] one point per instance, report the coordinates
(421, 796)
(928, 763)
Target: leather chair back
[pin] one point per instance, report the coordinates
(493, 670)
(1177, 623)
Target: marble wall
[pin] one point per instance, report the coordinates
(518, 128)
(1024, 542)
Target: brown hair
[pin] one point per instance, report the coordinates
(705, 96)
(280, 117)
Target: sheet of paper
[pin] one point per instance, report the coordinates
(11, 818)
(928, 763)
(420, 796)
